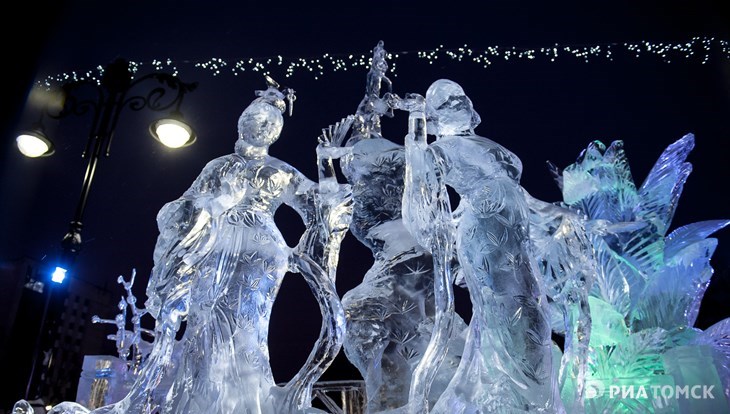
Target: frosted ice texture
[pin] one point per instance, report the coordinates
(391, 315)
(507, 360)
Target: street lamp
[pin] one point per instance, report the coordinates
(34, 143)
(172, 131)
(111, 96)
(108, 98)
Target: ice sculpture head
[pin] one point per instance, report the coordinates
(448, 110)
(260, 123)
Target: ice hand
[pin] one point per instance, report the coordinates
(325, 138)
(335, 206)
(392, 100)
(412, 102)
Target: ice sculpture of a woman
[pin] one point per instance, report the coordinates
(507, 364)
(219, 262)
(390, 315)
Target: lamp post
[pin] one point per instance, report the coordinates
(108, 98)
(112, 96)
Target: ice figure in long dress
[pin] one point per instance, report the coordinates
(507, 360)
(219, 262)
(391, 315)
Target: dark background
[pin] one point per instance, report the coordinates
(541, 110)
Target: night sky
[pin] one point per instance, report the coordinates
(540, 110)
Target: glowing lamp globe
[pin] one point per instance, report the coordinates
(172, 133)
(34, 144)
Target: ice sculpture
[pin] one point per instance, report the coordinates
(219, 262)
(598, 267)
(507, 361)
(563, 251)
(391, 315)
(106, 379)
(131, 347)
(562, 242)
(644, 354)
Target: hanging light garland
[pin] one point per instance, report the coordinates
(698, 48)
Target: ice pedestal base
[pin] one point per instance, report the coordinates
(104, 380)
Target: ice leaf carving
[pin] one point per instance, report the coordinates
(689, 234)
(612, 283)
(599, 184)
(672, 297)
(663, 186)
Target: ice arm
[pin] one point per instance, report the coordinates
(427, 215)
(334, 212)
(326, 210)
(332, 201)
(315, 258)
(331, 336)
(426, 209)
(186, 230)
(325, 162)
(219, 187)
(331, 147)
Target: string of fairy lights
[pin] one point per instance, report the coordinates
(697, 49)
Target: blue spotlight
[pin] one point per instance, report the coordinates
(58, 275)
